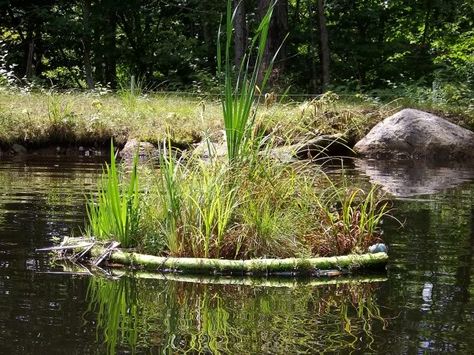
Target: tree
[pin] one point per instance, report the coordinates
(86, 42)
(276, 36)
(323, 45)
(240, 31)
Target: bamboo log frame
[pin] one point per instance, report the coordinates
(283, 267)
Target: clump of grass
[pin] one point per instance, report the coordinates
(264, 209)
(351, 218)
(193, 205)
(115, 212)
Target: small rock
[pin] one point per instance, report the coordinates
(323, 146)
(145, 150)
(378, 248)
(207, 150)
(18, 149)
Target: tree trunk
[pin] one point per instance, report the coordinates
(110, 48)
(87, 44)
(296, 14)
(207, 34)
(276, 35)
(315, 266)
(29, 58)
(240, 32)
(323, 46)
(426, 23)
(312, 48)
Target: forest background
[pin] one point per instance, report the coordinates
(421, 49)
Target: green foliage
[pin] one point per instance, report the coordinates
(352, 217)
(115, 212)
(170, 44)
(239, 92)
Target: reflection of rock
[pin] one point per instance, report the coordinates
(410, 178)
(416, 134)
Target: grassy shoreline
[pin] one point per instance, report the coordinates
(38, 120)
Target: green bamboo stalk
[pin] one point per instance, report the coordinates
(245, 267)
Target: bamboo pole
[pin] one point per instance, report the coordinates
(284, 267)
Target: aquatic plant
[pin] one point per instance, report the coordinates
(115, 212)
(170, 199)
(351, 218)
(240, 90)
(195, 204)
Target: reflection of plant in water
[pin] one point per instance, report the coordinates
(116, 303)
(358, 310)
(175, 317)
(197, 319)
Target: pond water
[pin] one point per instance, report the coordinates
(425, 301)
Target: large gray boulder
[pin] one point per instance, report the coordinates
(414, 134)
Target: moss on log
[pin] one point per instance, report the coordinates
(245, 267)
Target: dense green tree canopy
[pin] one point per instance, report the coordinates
(171, 44)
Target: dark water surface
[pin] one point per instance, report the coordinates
(424, 303)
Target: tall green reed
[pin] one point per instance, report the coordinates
(115, 212)
(240, 90)
(170, 198)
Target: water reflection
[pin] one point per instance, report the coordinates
(171, 316)
(431, 283)
(427, 299)
(411, 178)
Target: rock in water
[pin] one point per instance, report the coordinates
(378, 248)
(320, 147)
(18, 149)
(145, 150)
(414, 134)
